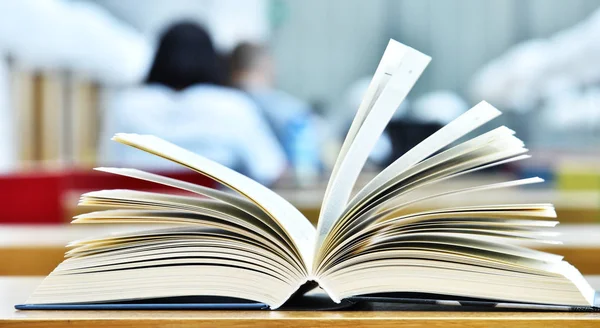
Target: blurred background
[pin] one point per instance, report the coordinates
(270, 87)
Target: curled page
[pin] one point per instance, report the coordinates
(396, 74)
(467, 122)
(298, 228)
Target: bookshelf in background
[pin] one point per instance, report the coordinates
(24, 93)
(57, 118)
(52, 116)
(83, 120)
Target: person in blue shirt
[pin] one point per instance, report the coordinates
(293, 121)
(184, 101)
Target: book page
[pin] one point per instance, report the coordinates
(409, 163)
(299, 229)
(160, 208)
(531, 217)
(368, 126)
(467, 122)
(367, 214)
(392, 57)
(235, 201)
(501, 136)
(197, 221)
(439, 171)
(171, 262)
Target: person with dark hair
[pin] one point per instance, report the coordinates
(296, 126)
(184, 101)
(185, 57)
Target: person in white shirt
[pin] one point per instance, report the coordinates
(183, 102)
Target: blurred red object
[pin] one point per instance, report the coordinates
(39, 197)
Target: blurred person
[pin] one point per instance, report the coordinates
(184, 101)
(538, 69)
(555, 81)
(297, 128)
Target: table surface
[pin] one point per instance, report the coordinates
(15, 290)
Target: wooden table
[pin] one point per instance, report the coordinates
(37, 250)
(16, 289)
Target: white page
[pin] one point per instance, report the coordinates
(472, 145)
(352, 161)
(392, 57)
(467, 122)
(294, 223)
(461, 149)
(508, 184)
(234, 200)
(133, 199)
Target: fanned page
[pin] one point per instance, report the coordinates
(472, 119)
(389, 62)
(294, 223)
(395, 76)
(382, 242)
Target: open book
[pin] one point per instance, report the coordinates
(254, 245)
